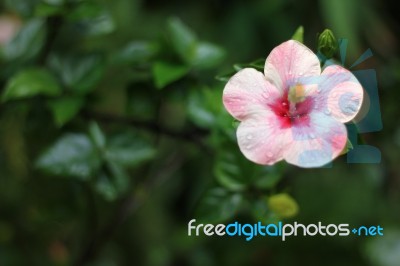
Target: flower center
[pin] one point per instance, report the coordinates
(297, 93)
(293, 108)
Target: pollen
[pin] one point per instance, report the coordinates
(297, 93)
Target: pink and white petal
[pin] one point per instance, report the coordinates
(247, 93)
(262, 140)
(341, 94)
(289, 62)
(316, 143)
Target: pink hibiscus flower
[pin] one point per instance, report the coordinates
(293, 112)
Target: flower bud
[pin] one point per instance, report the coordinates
(283, 205)
(327, 44)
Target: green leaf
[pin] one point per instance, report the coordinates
(80, 73)
(27, 43)
(257, 64)
(166, 73)
(347, 148)
(298, 34)
(128, 150)
(54, 2)
(231, 170)
(31, 82)
(134, 52)
(267, 179)
(198, 54)
(198, 114)
(98, 137)
(64, 109)
(105, 187)
(112, 182)
(207, 55)
(203, 106)
(72, 155)
(218, 205)
(226, 76)
(92, 19)
(183, 40)
(260, 209)
(48, 8)
(235, 123)
(223, 134)
(120, 177)
(22, 7)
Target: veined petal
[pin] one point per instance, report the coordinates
(288, 62)
(316, 143)
(247, 93)
(261, 139)
(341, 94)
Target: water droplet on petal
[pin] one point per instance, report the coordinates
(249, 136)
(312, 136)
(269, 154)
(248, 147)
(327, 112)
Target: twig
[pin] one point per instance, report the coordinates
(54, 24)
(194, 135)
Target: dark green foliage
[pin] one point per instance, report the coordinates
(113, 135)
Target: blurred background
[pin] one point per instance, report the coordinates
(113, 135)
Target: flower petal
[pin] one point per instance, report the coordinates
(342, 93)
(261, 139)
(288, 62)
(317, 143)
(247, 93)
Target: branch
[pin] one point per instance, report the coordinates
(53, 24)
(194, 135)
